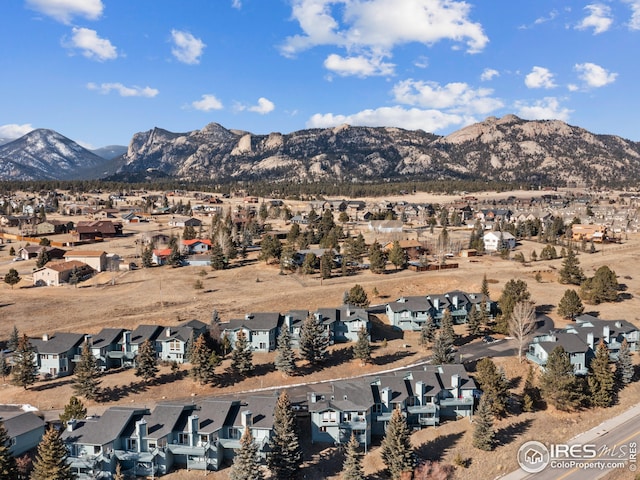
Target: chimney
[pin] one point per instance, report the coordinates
(246, 418)
(436, 303)
(88, 339)
(71, 425)
(287, 322)
(618, 324)
(455, 301)
(590, 340)
(126, 341)
(167, 332)
(420, 391)
(141, 433)
(45, 337)
(192, 426)
(314, 397)
(606, 333)
(455, 385)
(386, 396)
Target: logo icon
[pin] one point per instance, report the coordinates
(533, 457)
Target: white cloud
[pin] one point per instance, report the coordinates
(634, 22)
(546, 109)
(187, 48)
(374, 27)
(207, 103)
(360, 66)
(458, 97)
(91, 45)
(263, 107)
(236, 4)
(65, 10)
(11, 131)
(599, 18)
(573, 87)
(539, 77)
(489, 74)
(122, 90)
(594, 75)
(411, 119)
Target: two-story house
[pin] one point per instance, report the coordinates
(55, 353)
(173, 343)
(580, 353)
(106, 347)
(260, 329)
(24, 428)
(343, 323)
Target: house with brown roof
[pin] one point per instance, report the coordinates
(93, 230)
(32, 251)
(56, 274)
(96, 259)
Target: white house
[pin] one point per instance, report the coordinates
(494, 241)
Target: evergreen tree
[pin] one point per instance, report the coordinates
(427, 332)
(14, 339)
(474, 321)
(8, 466)
(377, 259)
(624, 365)
(285, 360)
(285, 455)
(74, 410)
(570, 271)
(494, 385)
(326, 264)
(241, 356)
(558, 383)
(352, 466)
(245, 463)
(397, 256)
(357, 297)
(25, 370)
(396, 449)
(309, 263)
(442, 351)
(484, 434)
(51, 459)
(602, 287)
(217, 257)
(5, 369)
(146, 361)
(313, 341)
(530, 393)
(189, 233)
(87, 383)
(199, 359)
(12, 277)
(570, 304)
(147, 256)
(484, 287)
(362, 347)
(43, 258)
(601, 378)
(514, 291)
(74, 276)
(270, 247)
(174, 257)
(446, 326)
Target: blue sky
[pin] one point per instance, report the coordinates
(98, 71)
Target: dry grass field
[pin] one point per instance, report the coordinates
(167, 296)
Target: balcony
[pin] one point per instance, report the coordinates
(426, 408)
(358, 423)
(449, 402)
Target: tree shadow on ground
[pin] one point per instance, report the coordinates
(392, 357)
(436, 449)
(334, 358)
(46, 385)
(118, 392)
(515, 382)
(508, 434)
(326, 463)
(544, 309)
(383, 331)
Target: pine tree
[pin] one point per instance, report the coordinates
(12, 277)
(494, 385)
(570, 271)
(362, 347)
(570, 304)
(514, 291)
(352, 466)
(75, 410)
(473, 321)
(245, 463)
(146, 362)
(601, 378)
(241, 356)
(87, 383)
(326, 264)
(200, 368)
(14, 339)
(285, 455)
(427, 332)
(377, 259)
(442, 351)
(602, 287)
(530, 393)
(25, 370)
(624, 365)
(313, 341)
(397, 256)
(285, 361)
(217, 257)
(446, 326)
(357, 297)
(558, 383)
(43, 258)
(147, 256)
(8, 466)
(483, 434)
(396, 449)
(51, 459)
(484, 287)
(5, 369)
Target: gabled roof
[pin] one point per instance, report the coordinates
(145, 332)
(165, 417)
(61, 267)
(213, 415)
(104, 429)
(85, 253)
(20, 422)
(350, 395)
(107, 336)
(255, 321)
(261, 408)
(189, 243)
(59, 342)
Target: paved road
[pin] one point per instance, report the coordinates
(619, 432)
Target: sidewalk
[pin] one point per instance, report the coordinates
(586, 437)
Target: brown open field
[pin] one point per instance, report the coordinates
(165, 295)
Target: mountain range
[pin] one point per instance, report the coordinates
(508, 149)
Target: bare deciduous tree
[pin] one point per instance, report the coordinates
(521, 323)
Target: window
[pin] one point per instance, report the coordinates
(132, 444)
(323, 429)
(175, 346)
(183, 438)
(377, 408)
(96, 449)
(53, 371)
(235, 433)
(263, 346)
(152, 445)
(329, 416)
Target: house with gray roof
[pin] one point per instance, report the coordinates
(55, 353)
(260, 329)
(24, 428)
(343, 323)
(580, 353)
(106, 346)
(293, 321)
(172, 343)
(142, 333)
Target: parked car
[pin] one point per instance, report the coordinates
(18, 259)
(488, 339)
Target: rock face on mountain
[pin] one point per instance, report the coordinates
(45, 154)
(506, 149)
